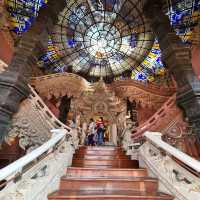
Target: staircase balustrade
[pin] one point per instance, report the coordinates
(49, 116)
(157, 119)
(38, 173)
(161, 160)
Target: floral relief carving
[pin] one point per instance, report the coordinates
(180, 182)
(29, 126)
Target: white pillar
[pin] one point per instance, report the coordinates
(114, 134)
(84, 129)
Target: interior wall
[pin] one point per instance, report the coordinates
(6, 50)
(196, 60)
(144, 113)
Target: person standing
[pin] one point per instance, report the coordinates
(91, 132)
(100, 131)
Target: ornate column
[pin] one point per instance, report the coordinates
(84, 131)
(13, 82)
(177, 57)
(114, 133)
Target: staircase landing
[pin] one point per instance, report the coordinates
(106, 173)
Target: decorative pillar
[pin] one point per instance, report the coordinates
(84, 131)
(177, 57)
(114, 133)
(13, 82)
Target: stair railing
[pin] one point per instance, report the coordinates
(17, 168)
(177, 172)
(155, 138)
(155, 119)
(46, 111)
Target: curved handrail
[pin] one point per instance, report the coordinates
(84, 82)
(150, 87)
(155, 118)
(51, 117)
(155, 138)
(16, 167)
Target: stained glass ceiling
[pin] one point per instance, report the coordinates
(105, 37)
(23, 13)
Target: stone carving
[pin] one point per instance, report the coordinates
(29, 127)
(127, 134)
(43, 178)
(32, 123)
(60, 84)
(100, 99)
(66, 83)
(178, 181)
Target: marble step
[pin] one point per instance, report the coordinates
(103, 184)
(107, 195)
(106, 172)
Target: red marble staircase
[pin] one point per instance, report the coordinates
(106, 173)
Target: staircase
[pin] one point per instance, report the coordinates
(106, 173)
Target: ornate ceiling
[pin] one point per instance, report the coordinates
(105, 37)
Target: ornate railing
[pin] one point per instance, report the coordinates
(42, 108)
(33, 122)
(155, 138)
(37, 174)
(14, 169)
(177, 172)
(160, 120)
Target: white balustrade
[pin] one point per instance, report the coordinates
(174, 178)
(44, 110)
(155, 138)
(38, 173)
(16, 167)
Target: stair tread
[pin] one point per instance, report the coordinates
(115, 176)
(108, 178)
(103, 159)
(108, 169)
(106, 193)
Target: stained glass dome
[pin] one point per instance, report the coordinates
(103, 38)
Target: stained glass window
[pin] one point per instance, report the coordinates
(52, 60)
(23, 13)
(151, 66)
(184, 15)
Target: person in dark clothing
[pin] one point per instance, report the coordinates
(131, 106)
(100, 131)
(91, 132)
(64, 108)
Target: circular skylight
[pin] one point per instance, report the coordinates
(103, 38)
